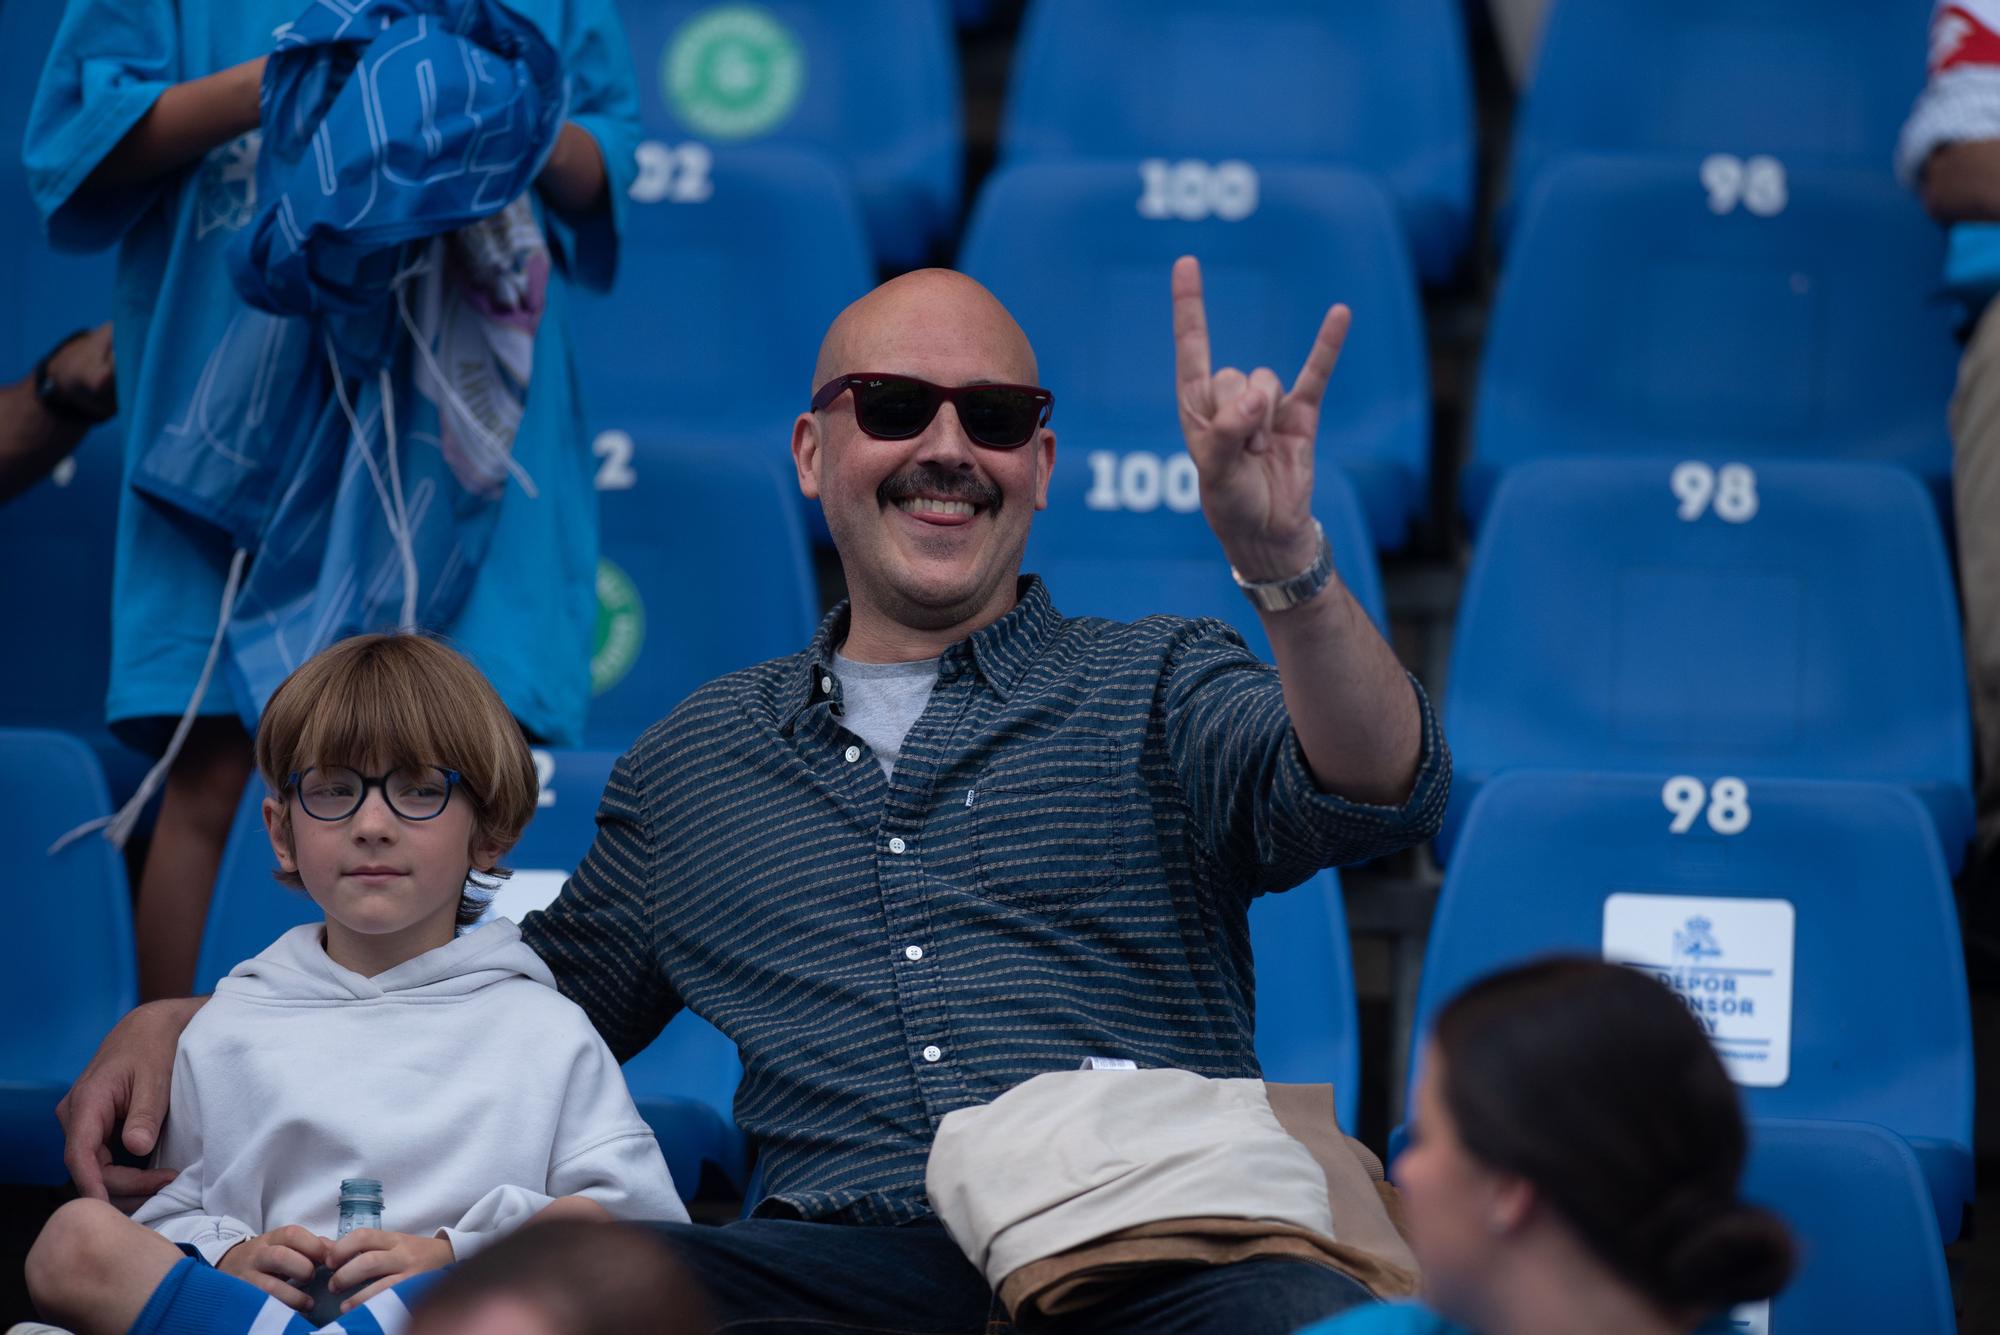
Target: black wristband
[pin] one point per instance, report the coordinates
(54, 401)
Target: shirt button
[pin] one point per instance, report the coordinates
(897, 845)
(913, 953)
(933, 1053)
(826, 685)
(853, 754)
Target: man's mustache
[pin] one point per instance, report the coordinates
(949, 484)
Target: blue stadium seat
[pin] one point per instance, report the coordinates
(1855, 1203)
(1807, 81)
(1063, 245)
(1880, 1027)
(1126, 566)
(668, 619)
(727, 278)
(1633, 318)
(730, 271)
(1383, 88)
(873, 84)
(1308, 1028)
(1814, 638)
(685, 1081)
(69, 974)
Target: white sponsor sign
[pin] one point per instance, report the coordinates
(1751, 1318)
(1730, 960)
(525, 891)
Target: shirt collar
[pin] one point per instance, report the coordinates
(1001, 653)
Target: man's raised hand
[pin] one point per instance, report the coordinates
(1252, 440)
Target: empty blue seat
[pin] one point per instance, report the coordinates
(1126, 566)
(1826, 898)
(872, 84)
(69, 974)
(1855, 1203)
(1800, 622)
(1634, 318)
(1807, 81)
(1063, 245)
(1308, 1028)
(1384, 88)
(703, 570)
(726, 281)
(685, 1081)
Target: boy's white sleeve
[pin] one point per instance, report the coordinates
(603, 1150)
(178, 1212)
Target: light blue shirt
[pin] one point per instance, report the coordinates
(529, 619)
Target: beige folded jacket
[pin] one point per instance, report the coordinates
(1072, 1183)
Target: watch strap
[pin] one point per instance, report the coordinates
(1279, 594)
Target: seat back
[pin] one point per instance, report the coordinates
(1382, 88)
(1854, 1200)
(871, 84)
(1063, 245)
(1807, 81)
(1308, 1025)
(1809, 925)
(703, 569)
(70, 975)
(1798, 622)
(728, 275)
(1644, 312)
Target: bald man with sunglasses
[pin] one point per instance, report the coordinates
(960, 839)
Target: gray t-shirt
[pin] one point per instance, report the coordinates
(881, 702)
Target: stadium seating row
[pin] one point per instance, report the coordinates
(1759, 927)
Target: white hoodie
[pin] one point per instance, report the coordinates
(461, 1079)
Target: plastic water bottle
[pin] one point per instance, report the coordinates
(360, 1204)
(360, 1207)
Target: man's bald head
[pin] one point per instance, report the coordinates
(936, 324)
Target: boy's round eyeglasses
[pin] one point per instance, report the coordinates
(335, 792)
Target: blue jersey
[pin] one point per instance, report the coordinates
(529, 617)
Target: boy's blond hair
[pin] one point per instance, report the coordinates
(378, 702)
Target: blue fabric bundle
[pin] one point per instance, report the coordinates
(337, 434)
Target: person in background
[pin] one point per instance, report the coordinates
(72, 389)
(144, 135)
(1950, 155)
(1573, 1166)
(567, 1278)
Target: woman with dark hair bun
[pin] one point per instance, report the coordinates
(1573, 1166)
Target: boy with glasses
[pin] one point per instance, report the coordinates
(381, 1043)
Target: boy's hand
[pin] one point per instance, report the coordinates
(280, 1263)
(381, 1259)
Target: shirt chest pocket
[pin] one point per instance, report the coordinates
(1049, 825)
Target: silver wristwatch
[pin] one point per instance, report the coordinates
(1278, 594)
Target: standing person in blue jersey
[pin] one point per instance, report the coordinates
(960, 839)
(145, 135)
(1574, 1164)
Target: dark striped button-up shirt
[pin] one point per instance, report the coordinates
(1061, 866)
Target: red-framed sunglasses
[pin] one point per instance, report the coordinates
(897, 407)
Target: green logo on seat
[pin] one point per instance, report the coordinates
(733, 72)
(621, 628)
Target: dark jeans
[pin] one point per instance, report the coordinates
(783, 1277)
